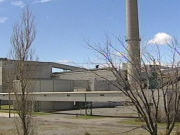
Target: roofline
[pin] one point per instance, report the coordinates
(52, 64)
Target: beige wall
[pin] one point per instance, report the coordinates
(86, 75)
(34, 70)
(57, 85)
(48, 85)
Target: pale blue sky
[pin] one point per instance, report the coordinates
(63, 26)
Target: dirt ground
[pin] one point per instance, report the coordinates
(106, 121)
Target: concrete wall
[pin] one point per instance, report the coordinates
(80, 85)
(57, 85)
(34, 70)
(8, 75)
(103, 85)
(94, 77)
(48, 85)
(86, 75)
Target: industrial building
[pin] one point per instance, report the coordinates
(42, 78)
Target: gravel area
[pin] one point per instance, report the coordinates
(71, 123)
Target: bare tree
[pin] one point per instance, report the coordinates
(156, 95)
(22, 38)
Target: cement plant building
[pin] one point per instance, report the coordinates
(71, 79)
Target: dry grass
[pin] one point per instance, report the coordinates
(178, 131)
(9, 132)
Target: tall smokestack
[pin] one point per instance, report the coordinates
(133, 39)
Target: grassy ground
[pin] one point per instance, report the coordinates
(161, 126)
(138, 122)
(68, 123)
(88, 117)
(5, 109)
